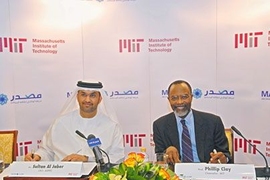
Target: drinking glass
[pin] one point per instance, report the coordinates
(162, 159)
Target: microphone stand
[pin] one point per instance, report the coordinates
(101, 166)
(106, 167)
(260, 171)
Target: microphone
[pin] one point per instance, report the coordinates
(80, 134)
(260, 172)
(93, 143)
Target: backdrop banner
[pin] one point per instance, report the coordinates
(136, 48)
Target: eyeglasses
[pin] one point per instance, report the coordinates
(182, 97)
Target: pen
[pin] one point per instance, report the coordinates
(215, 152)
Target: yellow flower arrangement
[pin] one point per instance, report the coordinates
(134, 168)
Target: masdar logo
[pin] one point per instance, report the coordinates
(250, 39)
(130, 45)
(12, 45)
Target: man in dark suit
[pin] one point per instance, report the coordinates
(206, 137)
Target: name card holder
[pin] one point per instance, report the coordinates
(47, 169)
(196, 171)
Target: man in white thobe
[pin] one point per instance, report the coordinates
(87, 111)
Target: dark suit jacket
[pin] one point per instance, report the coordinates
(209, 134)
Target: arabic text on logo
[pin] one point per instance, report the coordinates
(124, 94)
(31, 98)
(224, 94)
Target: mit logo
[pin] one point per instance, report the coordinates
(243, 144)
(134, 140)
(132, 45)
(23, 148)
(249, 40)
(12, 44)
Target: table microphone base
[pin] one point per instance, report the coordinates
(262, 171)
(106, 167)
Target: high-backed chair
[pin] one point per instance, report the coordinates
(229, 135)
(8, 142)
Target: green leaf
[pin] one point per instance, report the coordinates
(116, 171)
(102, 176)
(131, 171)
(136, 177)
(158, 177)
(143, 168)
(122, 168)
(153, 171)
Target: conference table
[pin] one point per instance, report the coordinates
(5, 176)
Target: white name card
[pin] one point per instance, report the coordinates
(199, 171)
(47, 169)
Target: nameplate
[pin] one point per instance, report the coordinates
(196, 171)
(45, 169)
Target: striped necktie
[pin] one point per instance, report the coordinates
(186, 144)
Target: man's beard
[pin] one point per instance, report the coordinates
(181, 112)
(89, 109)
